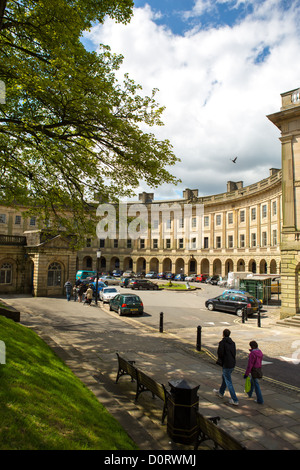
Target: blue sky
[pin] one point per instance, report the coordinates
(220, 66)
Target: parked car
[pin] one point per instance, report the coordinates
(275, 285)
(169, 276)
(125, 281)
(152, 275)
(191, 278)
(108, 293)
(233, 303)
(201, 278)
(140, 274)
(161, 275)
(180, 277)
(128, 273)
(238, 291)
(143, 284)
(109, 280)
(117, 273)
(126, 303)
(213, 280)
(101, 285)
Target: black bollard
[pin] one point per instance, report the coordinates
(258, 318)
(198, 346)
(161, 322)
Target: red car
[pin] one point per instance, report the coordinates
(201, 278)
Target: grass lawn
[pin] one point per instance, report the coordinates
(44, 406)
(176, 286)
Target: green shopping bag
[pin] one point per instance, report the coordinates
(247, 384)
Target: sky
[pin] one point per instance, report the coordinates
(220, 67)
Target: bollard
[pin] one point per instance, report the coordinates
(243, 314)
(258, 318)
(161, 322)
(198, 346)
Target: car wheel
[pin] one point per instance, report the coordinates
(110, 308)
(119, 311)
(210, 307)
(239, 312)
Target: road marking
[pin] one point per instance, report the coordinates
(264, 363)
(290, 359)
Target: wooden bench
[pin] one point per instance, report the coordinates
(144, 383)
(147, 384)
(125, 368)
(208, 430)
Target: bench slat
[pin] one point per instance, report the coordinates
(210, 431)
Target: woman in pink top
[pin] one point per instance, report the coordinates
(255, 360)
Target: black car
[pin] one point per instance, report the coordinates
(234, 303)
(143, 284)
(213, 280)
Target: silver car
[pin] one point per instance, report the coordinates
(108, 293)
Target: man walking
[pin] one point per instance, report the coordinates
(227, 359)
(68, 287)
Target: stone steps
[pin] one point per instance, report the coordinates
(290, 321)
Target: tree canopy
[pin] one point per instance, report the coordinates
(69, 129)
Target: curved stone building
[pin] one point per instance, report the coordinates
(252, 229)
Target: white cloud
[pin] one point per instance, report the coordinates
(216, 88)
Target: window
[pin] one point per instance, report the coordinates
(155, 243)
(102, 243)
(253, 213)
(129, 243)
(155, 224)
(180, 243)
(168, 224)
(218, 219)
(181, 222)
(264, 211)
(274, 208)
(6, 273)
(205, 245)
(242, 240)
(242, 216)
(230, 218)
(32, 221)
(253, 239)
(142, 243)
(230, 241)
(88, 242)
(206, 221)
(54, 275)
(18, 220)
(168, 243)
(2, 218)
(264, 239)
(194, 222)
(116, 243)
(218, 242)
(194, 244)
(274, 237)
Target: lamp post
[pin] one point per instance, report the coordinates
(97, 277)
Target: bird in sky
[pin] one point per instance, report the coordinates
(234, 160)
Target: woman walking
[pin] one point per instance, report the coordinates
(254, 368)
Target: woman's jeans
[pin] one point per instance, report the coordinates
(227, 382)
(255, 386)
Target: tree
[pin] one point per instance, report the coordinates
(68, 129)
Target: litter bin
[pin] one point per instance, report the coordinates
(183, 404)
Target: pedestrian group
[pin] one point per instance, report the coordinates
(227, 359)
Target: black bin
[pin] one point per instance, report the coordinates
(183, 404)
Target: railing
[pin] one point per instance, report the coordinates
(12, 240)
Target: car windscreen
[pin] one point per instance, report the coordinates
(109, 290)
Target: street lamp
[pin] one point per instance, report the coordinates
(97, 277)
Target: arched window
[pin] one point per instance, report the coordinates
(54, 275)
(6, 273)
